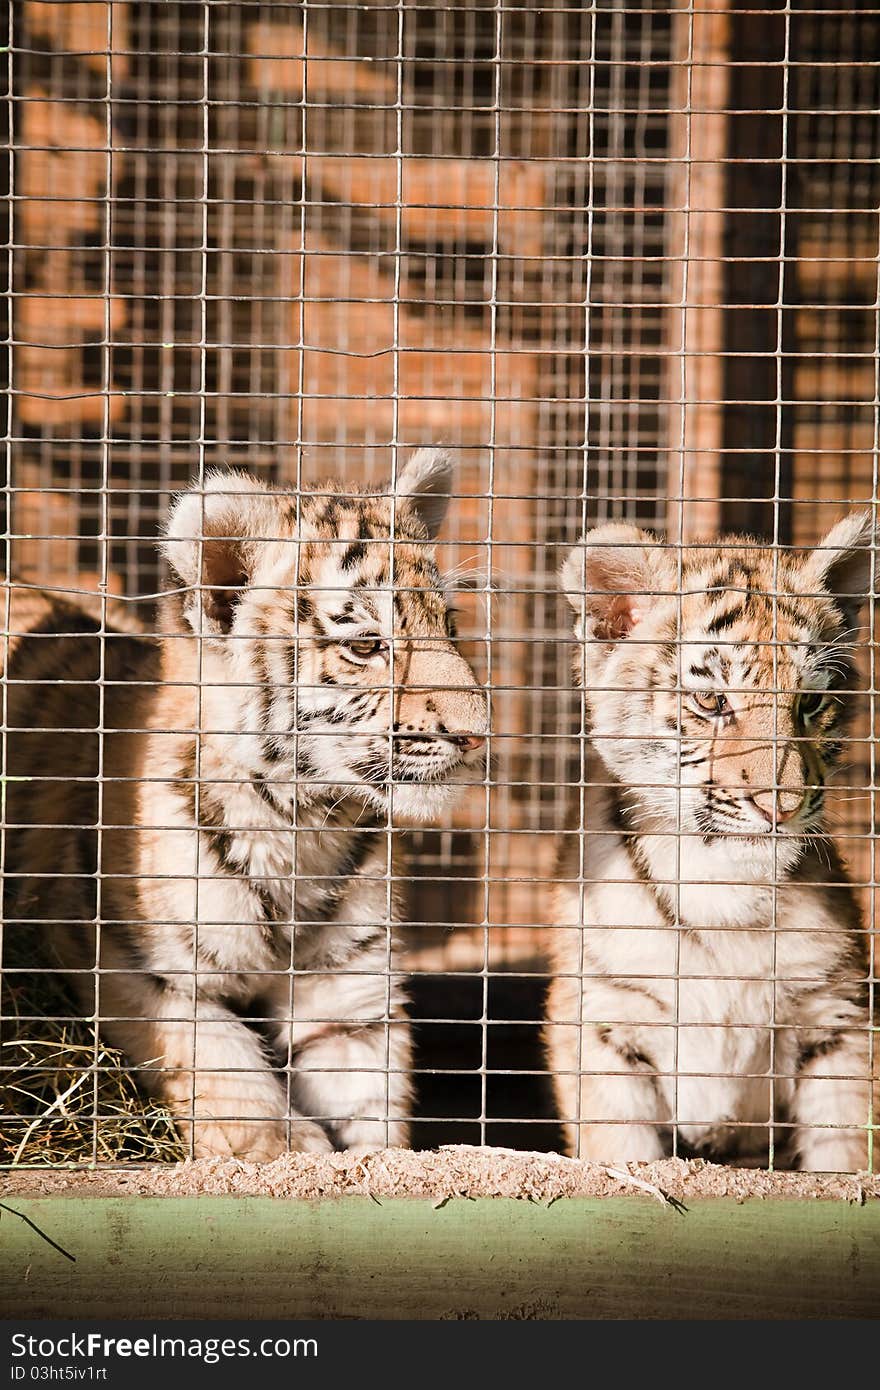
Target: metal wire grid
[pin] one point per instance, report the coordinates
(586, 246)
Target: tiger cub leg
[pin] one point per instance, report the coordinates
(605, 1097)
(208, 1067)
(352, 1065)
(831, 1106)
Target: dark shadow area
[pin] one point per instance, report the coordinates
(450, 1065)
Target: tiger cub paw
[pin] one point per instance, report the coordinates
(257, 1141)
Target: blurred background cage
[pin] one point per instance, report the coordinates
(622, 257)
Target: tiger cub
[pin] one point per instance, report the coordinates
(711, 973)
(305, 691)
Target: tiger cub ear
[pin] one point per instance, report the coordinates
(211, 541)
(613, 577)
(841, 565)
(426, 480)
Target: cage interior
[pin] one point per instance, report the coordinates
(621, 260)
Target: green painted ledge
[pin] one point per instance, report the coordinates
(261, 1257)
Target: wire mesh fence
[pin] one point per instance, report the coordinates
(309, 837)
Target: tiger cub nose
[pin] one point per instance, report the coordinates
(468, 742)
(787, 804)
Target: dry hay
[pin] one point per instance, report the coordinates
(69, 1098)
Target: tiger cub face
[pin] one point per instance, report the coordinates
(326, 636)
(717, 686)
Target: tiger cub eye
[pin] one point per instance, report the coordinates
(810, 703)
(365, 646)
(710, 702)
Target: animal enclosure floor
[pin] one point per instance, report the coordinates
(455, 1171)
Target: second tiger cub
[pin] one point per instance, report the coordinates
(711, 968)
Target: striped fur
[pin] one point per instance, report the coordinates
(663, 1011)
(306, 691)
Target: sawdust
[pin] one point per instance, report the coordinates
(454, 1171)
